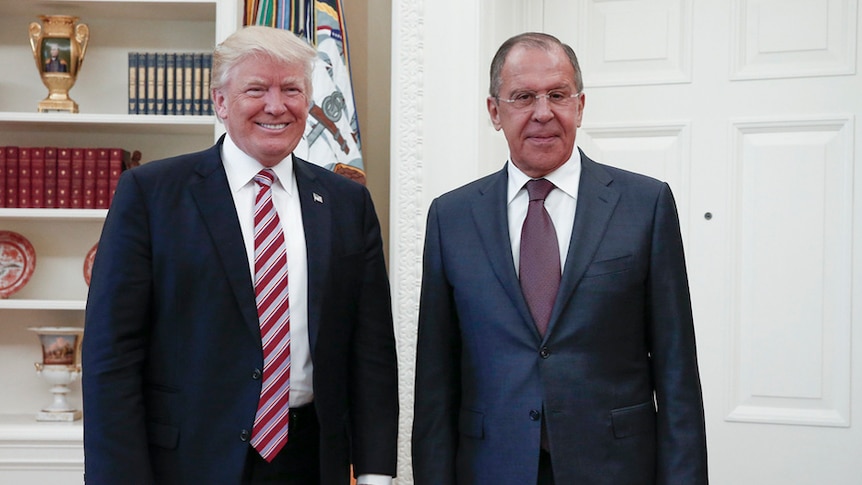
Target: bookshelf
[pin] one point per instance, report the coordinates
(34, 452)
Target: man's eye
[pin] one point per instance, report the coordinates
(523, 97)
(557, 96)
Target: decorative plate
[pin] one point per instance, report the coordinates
(17, 262)
(88, 263)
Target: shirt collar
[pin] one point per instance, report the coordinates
(241, 168)
(566, 177)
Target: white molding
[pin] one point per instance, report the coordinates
(39, 449)
(754, 55)
(664, 144)
(406, 221)
(759, 346)
(643, 53)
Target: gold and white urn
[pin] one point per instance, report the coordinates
(59, 44)
(60, 366)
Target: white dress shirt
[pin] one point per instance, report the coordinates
(241, 169)
(560, 204)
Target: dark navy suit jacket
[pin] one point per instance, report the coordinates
(616, 373)
(172, 347)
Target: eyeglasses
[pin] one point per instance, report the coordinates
(528, 100)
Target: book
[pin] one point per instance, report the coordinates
(11, 194)
(50, 177)
(64, 178)
(2, 176)
(207, 107)
(151, 83)
(142, 83)
(179, 86)
(133, 83)
(161, 61)
(102, 174)
(76, 174)
(188, 81)
(117, 160)
(37, 177)
(197, 83)
(170, 83)
(88, 196)
(25, 177)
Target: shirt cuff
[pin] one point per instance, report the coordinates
(370, 479)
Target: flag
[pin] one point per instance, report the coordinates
(331, 136)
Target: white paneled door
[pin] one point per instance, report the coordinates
(750, 110)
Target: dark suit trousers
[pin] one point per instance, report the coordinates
(298, 463)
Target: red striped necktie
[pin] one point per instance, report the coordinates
(273, 309)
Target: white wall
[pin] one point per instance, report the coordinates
(441, 138)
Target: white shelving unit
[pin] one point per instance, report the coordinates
(33, 452)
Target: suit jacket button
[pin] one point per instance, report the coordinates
(256, 374)
(244, 435)
(535, 415)
(545, 352)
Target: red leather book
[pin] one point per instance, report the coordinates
(102, 174)
(25, 177)
(2, 176)
(117, 158)
(76, 194)
(89, 197)
(11, 194)
(37, 177)
(64, 178)
(50, 177)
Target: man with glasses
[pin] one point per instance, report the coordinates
(556, 342)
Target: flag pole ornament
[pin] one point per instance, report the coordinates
(331, 137)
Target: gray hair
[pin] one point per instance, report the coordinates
(536, 40)
(278, 44)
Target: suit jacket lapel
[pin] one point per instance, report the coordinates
(212, 194)
(490, 216)
(596, 203)
(317, 222)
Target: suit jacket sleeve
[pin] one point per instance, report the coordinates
(438, 378)
(374, 373)
(114, 347)
(681, 436)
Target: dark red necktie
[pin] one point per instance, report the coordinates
(539, 268)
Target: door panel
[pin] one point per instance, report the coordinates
(747, 108)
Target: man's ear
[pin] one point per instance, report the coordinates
(218, 103)
(494, 113)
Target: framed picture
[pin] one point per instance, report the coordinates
(56, 54)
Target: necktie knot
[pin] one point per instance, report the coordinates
(265, 177)
(538, 189)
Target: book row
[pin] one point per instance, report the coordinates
(170, 83)
(61, 178)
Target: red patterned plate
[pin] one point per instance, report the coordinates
(88, 263)
(17, 262)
